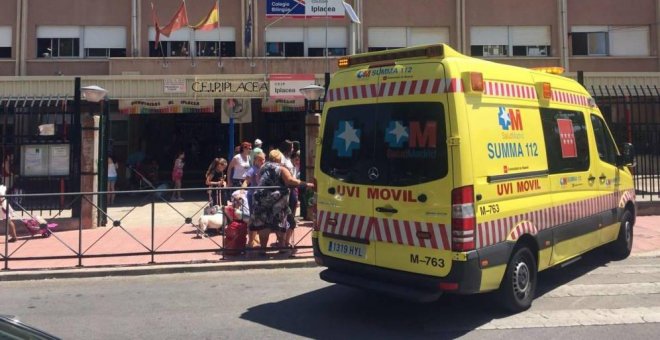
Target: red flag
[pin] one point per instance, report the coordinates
(567, 138)
(179, 20)
(210, 22)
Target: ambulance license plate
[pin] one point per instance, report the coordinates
(351, 249)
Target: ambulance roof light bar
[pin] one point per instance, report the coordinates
(550, 69)
(404, 53)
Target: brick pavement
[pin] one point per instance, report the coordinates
(170, 233)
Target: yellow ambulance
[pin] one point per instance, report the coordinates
(441, 173)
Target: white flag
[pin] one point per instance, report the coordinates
(351, 13)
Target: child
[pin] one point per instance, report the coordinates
(112, 179)
(177, 175)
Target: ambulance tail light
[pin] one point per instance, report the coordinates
(448, 286)
(463, 220)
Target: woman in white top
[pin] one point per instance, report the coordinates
(240, 164)
(112, 179)
(6, 211)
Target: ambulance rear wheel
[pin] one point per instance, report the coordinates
(622, 246)
(519, 284)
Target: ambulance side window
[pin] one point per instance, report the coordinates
(566, 142)
(604, 143)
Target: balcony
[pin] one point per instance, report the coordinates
(173, 66)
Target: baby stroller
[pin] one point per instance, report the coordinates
(238, 214)
(146, 183)
(38, 225)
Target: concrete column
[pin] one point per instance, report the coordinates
(563, 33)
(21, 54)
(657, 32)
(89, 170)
(312, 124)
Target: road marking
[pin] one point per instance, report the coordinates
(579, 290)
(639, 269)
(580, 317)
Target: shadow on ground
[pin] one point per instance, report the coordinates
(342, 312)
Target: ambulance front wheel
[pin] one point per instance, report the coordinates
(519, 284)
(622, 246)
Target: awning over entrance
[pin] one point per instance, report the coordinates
(624, 91)
(611, 84)
(34, 101)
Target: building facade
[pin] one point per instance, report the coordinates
(168, 92)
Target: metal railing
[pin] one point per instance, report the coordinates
(154, 227)
(633, 114)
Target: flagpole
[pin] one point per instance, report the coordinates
(327, 61)
(192, 49)
(266, 42)
(219, 49)
(157, 32)
(326, 76)
(248, 21)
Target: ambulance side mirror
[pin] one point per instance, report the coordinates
(627, 156)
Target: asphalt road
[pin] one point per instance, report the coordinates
(592, 298)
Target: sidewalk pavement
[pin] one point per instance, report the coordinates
(171, 234)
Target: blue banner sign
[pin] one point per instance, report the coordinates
(304, 8)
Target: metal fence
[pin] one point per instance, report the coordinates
(41, 135)
(633, 114)
(142, 225)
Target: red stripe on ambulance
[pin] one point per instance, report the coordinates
(494, 231)
(400, 88)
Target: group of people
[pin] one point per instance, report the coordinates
(272, 209)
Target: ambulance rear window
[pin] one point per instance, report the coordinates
(388, 144)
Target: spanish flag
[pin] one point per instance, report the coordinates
(212, 20)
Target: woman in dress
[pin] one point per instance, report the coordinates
(271, 206)
(177, 175)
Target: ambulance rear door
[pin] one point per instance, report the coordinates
(409, 177)
(346, 157)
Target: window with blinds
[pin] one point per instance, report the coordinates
(610, 40)
(5, 42)
(387, 38)
(77, 41)
(510, 41)
(186, 42)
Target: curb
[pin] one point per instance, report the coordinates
(19, 275)
(87, 272)
(645, 208)
(653, 253)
